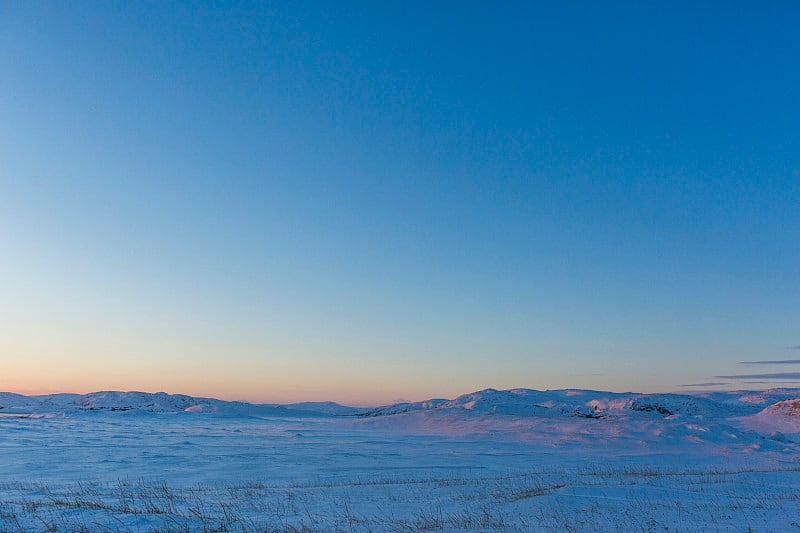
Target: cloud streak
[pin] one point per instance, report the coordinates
(777, 375)
(707, 384)
(775, 362)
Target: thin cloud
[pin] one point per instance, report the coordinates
(777, 375)
(775, 362)
(707, 384)
(793, 347)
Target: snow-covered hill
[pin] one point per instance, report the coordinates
(713, 417)
(160, 402)
(596, 404)
(777, 419)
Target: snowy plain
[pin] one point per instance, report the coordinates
(518, 460)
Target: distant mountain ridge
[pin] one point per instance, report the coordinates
(489, 402)
(162, 402)
(597, 404)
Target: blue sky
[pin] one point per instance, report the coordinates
(366, 202)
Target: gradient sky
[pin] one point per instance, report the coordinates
(370, 201)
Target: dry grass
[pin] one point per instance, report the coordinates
(589, 498)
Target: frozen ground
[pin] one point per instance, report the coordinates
(492, 460)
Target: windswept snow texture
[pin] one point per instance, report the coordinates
(486, 461)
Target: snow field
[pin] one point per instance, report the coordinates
(490, 461)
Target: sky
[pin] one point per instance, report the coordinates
(367, 202)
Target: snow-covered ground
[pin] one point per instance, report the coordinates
(491, 460)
